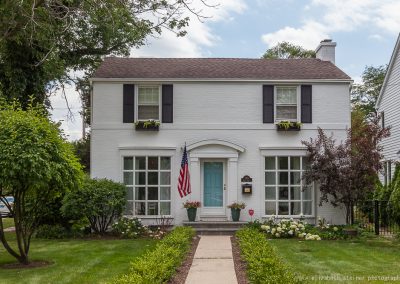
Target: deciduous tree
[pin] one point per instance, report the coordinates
(82, 150)
(365, 94)
(36, 166)
(42, 42)
(284, 50)
(346, 172)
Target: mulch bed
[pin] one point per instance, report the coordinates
(183, 271)
(32, 264)
(240, 265)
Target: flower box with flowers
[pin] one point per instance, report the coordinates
(288, 125)
(147, 125)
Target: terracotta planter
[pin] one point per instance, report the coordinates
(191, 212)
(235, 214)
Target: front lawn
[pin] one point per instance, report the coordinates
(8, 222)
(75, 261)
(351, 258)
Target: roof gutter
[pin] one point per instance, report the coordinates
(117, 80)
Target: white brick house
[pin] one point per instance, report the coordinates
(388, 105)
(225, 110)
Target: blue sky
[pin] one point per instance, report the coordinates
(365, 32)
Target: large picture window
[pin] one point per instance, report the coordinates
(148, 103)
(285, 192)
(148, 184)
(286, 103)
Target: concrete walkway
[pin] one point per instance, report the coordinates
(213, 262)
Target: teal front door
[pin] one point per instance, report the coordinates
(213, 181)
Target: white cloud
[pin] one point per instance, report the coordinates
(308, 36)
(340, 15)
(376, 37)
(200, 35)
(389, 17)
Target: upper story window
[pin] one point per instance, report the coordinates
(286, 105)
(148, 107)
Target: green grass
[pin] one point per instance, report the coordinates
(75, 261)
(8, 222)
(358, 258)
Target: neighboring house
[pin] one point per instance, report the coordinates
(388, 105)
(225, 110)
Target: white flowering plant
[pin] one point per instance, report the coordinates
(285, 228)
(156, 233)
(328, 231)
(130, 228)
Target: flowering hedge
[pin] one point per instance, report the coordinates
(132, 228)
(288, 229)
(263, 265)
(159, 265)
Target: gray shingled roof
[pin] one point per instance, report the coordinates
(219, 68)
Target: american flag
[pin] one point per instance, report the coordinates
(184, 176)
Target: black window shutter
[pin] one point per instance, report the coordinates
(167, 103)
(306, 103)
(268, 104)
(129, 103)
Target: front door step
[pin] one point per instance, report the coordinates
(213, 218)
(215, 227)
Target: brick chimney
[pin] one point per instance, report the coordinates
(326, 50)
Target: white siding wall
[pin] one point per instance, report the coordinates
(390, 105)
(228, 111)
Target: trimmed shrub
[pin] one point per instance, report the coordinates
(57, 232)
(159, 265)
(101, 201)
(263, 265)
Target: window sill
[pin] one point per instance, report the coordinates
(288, 216)
(150, 216)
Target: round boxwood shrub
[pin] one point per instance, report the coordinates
(99, 200)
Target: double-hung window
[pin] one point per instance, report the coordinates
(148, 107)
(286, 106)
(285, 191)
(148, 184)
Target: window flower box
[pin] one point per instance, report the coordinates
(147, 125)
(288, 126)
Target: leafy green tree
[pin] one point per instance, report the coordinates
(394, 200)
(99, 200)
(43, 41)
(285, 50)
(365, 94)
(36, 166)
(82, 150)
